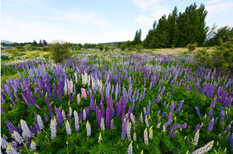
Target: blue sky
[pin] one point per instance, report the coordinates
(95, 21)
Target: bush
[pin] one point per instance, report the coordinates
(139, 47)
(106, 48)
(29, 47)
(4, 57)
(123, 47)
(59, 52)
(191, 47)
(101, 47)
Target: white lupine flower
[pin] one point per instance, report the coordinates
(205, 148)
(53, 128)
(63, 114)
(158, 125)
(100, 138)
(144, 110)
(71, 86)
(102, 126)
(134, 136)
(196, 138)
(205, 116)
(33, 146)
(130, 148)
(141, 152)
(151, 132)
(141, 117)
(65, 87)
(68, 130)
(3, 143)
(76, 77)
(40, 123)
(10, 149)
(76, 121)
(84, 114)
(145, 137)
(17, 137)
(147, 121)
(164, 129)
(88, 127)
(128, 129)
(132, 118)
(70, 111)
(25, 128)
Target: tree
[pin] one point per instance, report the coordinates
(34, 43)
(137, 38)
(45, 43)
(123, 47)
(59, 52)
(101, 47)
(40, 44)
(106, 48)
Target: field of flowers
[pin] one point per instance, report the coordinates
(116, 103)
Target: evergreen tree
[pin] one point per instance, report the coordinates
(40, 44)
(137, 38)
(45, 43)
(34, 43)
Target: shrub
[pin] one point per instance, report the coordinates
(106, 48)
(191, 47)
(123, 47)
(59, 52)
(4, 57)
(101, 47)
(139, 47)
(29, 47)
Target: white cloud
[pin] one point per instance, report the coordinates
(219, 7)
(151, 10)
(87, 18)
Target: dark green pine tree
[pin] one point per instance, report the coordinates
(34, 43)
(137, 38)
(45, 43)
(40, 44)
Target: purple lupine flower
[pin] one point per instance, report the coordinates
(210, 126)
(118, 108)
(173, 105)
(91, 102)
(41, 83)
(59, 117)
(48, 87)
(54, 92)
(169, 120)
(33, 100)
(46, 117)
(60, 91)
(11, 128)
(198, 112)
(37, 91)
(9, 92)
(49, 106)
(102, 110)
(107, 117)
(231, 142)
(179, 126)
(210, 113)
(222, 114)
(123, 128)
(123, 105)
(2, 98)
(147, 109)
(25, 99)
(213, 103)
(228, 128)
(180, 106)
(12, 101)
(198, 127)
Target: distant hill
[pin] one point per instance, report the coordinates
(7, 42)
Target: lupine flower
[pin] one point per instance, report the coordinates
(70, 111)
(32, 146)
(107, 118)
(134, 136)
(141, 118)
(196, 138)
(102, 126)
(88, 127)
(17, 137)
(180, 106)
(151, 132)
(169, 120)
(3, 143)
(76, 121)
(112, 124)
(198, 112)
(132, 118)
(123, 128)
(210, 126)
(99, 138)
(231, 142)
(68, 129)
(128, 129)
(130, 148)
(204, 149)
(53, 128)
(63, 114)
(25, 128)
(39, 121)
(10, 149)
(78, 99)
(147, 121)
(145, 137)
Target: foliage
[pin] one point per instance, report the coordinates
(59, 52)
(123, 47)
(137, 38)
(29, 47)
(191, 47)
(139, 47)
(101, 47)
(106, 48)
(178, 29)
